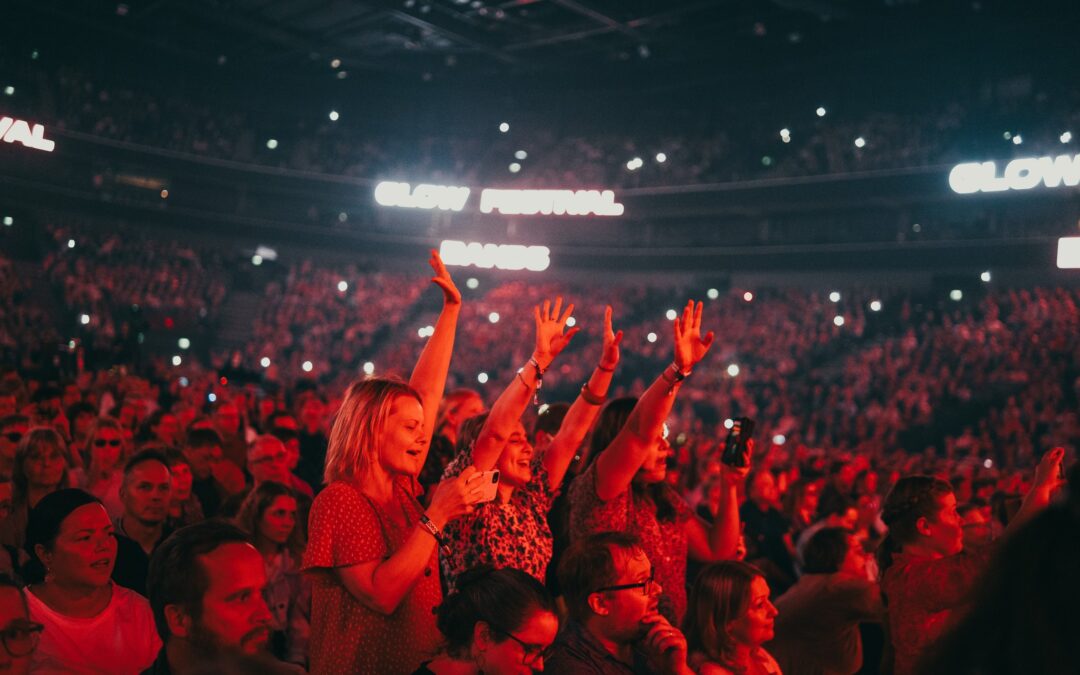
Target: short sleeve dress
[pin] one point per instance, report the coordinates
(663, 541)
(347, 528)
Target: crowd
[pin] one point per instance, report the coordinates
(164, 524)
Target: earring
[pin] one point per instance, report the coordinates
(48, 576)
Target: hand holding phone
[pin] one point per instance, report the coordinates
(489, 485)
(736, 447)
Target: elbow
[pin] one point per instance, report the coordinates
(384, 606)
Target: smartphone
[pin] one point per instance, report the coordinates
(489, 485)
(736, 453)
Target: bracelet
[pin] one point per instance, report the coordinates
(606, 370)
(677, 376)
(539, 380)
(591, 398)
(433, 529)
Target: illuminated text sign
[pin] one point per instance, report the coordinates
(1068, 253)
(499, 256)
(31, 136)
(1019, 174)
(492, 200)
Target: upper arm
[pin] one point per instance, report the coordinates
(618, 464)
(697, 540)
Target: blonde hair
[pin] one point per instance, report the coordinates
(99, 424)
(721, 594)
(359, 424)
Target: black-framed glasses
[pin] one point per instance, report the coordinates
(13, 436)
(102, 442)
(22, 639)
(531, 653)
(647, 586)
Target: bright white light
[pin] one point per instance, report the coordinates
(335, 63)
(256, 259)
(985, 276)
(956, 295)
(176, 360)
(184, 382)
(733, 370)
(661, 158)
(504, 127)
(1019, 174)
(547, 202)
(1068, 256)
(1065, 137)
(504, 257)
(429, 330)
(779, 439)
(307, 366)
(334, 116)
(1007, 135)
(84, 319)
(514, 167)
(212, 397)
(482, 378)
(634, 164)
(421, 332)
(748, 296)
(1017, 139)
(265, 362)
(989, 464)
(520, 154)
(571, 321)
(9, 221)
(423, 196)
(71, 345)
(472, 282)
(9, 90)
(71, 243)
(712, 293)
(493, 317)
(875, 305)
(343, 285)
(834, 296)
(671, 314)
(271, 143)
(838, 320)
(183, 343)
(651, 337)
(785, 135)
(860, 142)
(728, 423)
(820, 112)
(369, 368)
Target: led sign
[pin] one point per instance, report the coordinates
(1068, 257)
(509, 202)
(1019, 174)
(503, 257)
(30, 136)
(423, 196)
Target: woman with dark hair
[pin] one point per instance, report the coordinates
(498, 622)
(184, 506)
(623, 489)
(40, 468)
(728, 620)
(268, 514)
(91, 624)
(19, 636)
(925, 572)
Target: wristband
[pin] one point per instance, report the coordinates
(591, 398)
(539, 379)
(606, 370)
(433, 529)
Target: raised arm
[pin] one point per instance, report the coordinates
(504, 415)
(620, 461)
(720, 541)
(1046, 482)
(429, 375)
(582, 413)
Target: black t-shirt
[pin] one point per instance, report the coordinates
(209, 495)
(132, 562)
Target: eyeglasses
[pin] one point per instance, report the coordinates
(101, 442)
(13, 436)
(647, 587)
(531, 653)
(22, 639)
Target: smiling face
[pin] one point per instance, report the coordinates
(403, 445)
(85, 549)
(515, 462)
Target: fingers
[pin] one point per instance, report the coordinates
(567, 314)
(571, 333)
(558, 307)
(697, 316)
(607, 319)
(536, 315)
(546, 314)
(618, 339)
(708, 339)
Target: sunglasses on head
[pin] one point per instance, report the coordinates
(111, 442)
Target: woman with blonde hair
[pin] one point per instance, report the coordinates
(371, 553)
(41, 468)
(728, 619)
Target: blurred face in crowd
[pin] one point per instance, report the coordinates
(227, 419)
(202, 459)
(7, 405)
(469, 406)
(19, 640)
(82, 423)
(71, 396)
(515, 462)
(167, 429)
(977, 530)
(520, 652)
(943, 534)
(10, 437)
(268, 459)
(278, 520)
(624, 610)
(45, 467)
(146, 492)
(267, 406)
(811, 498)
(654, 468)
(311, 415)
(847, 520)
(870, 483)
(106, 449)
(755, 627)
(762, 490)
(403, 446)
(854, 563)
(85, 549)
(234, 613)
(181, 476)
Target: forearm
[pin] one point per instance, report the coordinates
(429, 375)
(392, 579)
(579, 419)
(1037, 499)
(647, 419)
(724, 533)
(506, 412)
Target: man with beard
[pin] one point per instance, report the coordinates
(206, 588)
(145, 494)
(615, 627)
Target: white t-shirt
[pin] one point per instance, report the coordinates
(121, 640)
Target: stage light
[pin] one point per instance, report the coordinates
(712, 293)
(728, 423)
(748, 296)
(9, 90)
(265, 362)
(785, 135)
(9, 221)
(985, 276)
(164, 194)
(369, 368)
(838, 320)
(671, 314)
(504, 127)
(34, 55)
(84, 319)
(860, 142)
(834, 296)
(256, 260)
(956, 295)
(184, 382)
(71, 243)
(989, 464)
(342, 217)
(1017, 139)
(635, 164)
(176, 360)
(916, 228)
(733, 370)
(334, 116)
(661, 158)
(1007, 135)
(1068, 256)
(482, 378)
(1065, 137)
(520, 154)
(493, 317)
(875, 305)
(651, 337)
(271, 143)
(183, 343)
(472, 283)
(307, 366)
(212, 397)
(515, 167)
(335, 63)
(820, 112)
(343, 286)
(571, 322)
(779, 439)
(766, 161)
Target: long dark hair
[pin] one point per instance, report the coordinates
(912, 498)
(721, 594)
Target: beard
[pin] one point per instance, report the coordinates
(208, 646)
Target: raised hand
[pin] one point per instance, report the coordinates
(455, 496)
(690, 345)
(609, 358)
(451, 294)
(550, 326)
(1048, 472)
